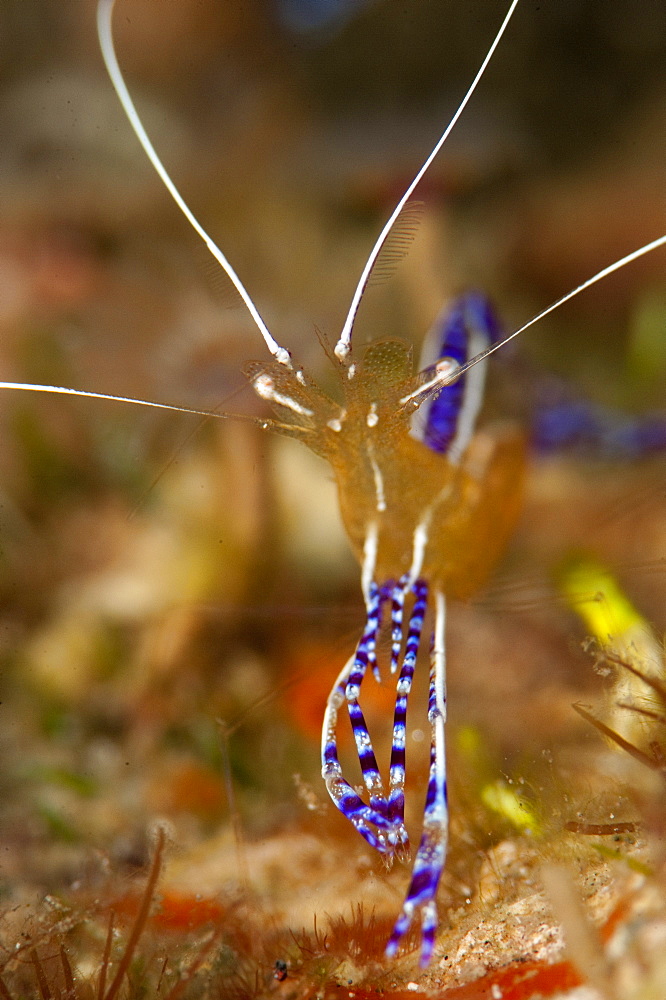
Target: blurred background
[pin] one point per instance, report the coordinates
(160, 573)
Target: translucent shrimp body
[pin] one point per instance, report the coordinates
(425, 520)
(420, 513)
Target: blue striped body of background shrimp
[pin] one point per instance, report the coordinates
(427, 502)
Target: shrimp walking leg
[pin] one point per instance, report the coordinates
(382, 821)
(431, 854)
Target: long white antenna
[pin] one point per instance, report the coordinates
(62, 390)
(343, 346)
(105, 33)
(634, 255)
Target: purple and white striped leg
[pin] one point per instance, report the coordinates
(398, 595)
(365, 656)
(431, 855)
(372, 825)
(371, 820)
(396, 802)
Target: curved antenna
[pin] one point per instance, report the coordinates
(105, 34)
(343, 346)
(610, 269)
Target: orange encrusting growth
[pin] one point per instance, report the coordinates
(176, 912)
(524, 981)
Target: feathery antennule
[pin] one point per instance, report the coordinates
(343, 346)
(397, 244)
(105, 33)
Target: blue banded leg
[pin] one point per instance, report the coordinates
(431, 855)
(365, 656)
(366, 650)
(371, 824)
(371, 820)
(398, 595)
(396, 803)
